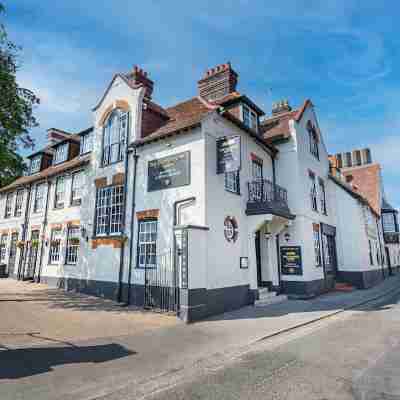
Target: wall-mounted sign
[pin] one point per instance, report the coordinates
(169, 172)
(184, 259)
(291, 263)
(228, 154)
(231, 230)
(244, 262)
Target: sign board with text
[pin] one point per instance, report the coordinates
(228, 154)
(291, 262)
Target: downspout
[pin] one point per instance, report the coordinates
(121, 258)
(23, 236)
(132, 224)
(43, 232)
(278, 259)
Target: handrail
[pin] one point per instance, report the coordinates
(263, 190)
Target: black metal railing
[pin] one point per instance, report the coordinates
(265, 191)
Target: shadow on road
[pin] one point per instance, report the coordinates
(21, 363)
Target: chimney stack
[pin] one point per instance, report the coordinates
(281, 107)
(218, 82)
(138, 76)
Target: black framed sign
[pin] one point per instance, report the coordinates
(228, 154)
(291, 262)
(169, 172)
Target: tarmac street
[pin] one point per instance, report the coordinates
(57, 345)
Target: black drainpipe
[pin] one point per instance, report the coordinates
(132, 224)
(23, 236)
(278, 259)
(121, 258)
(43, 232)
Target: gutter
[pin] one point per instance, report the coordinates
(44, 223)
(132, 224)
(23, 236)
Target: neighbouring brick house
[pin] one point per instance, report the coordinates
(197, 208)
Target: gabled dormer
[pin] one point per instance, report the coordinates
(40, 160)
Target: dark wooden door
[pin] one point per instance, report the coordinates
(258, 257)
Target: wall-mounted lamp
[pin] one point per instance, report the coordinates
(287, 236)
(267, 234)
(84, 233)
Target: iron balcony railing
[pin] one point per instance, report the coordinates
(265, 191)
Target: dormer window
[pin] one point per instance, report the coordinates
(249, 117)
(61, 154)
(35, 164)
(115, 134)
(86, 143)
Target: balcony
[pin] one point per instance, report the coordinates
(265, 197)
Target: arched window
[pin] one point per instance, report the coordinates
(115, 136)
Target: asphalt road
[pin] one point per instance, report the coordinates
(355, 355)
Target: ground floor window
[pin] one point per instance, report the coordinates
(232, 182)
(3, 247)
(55, 246)
(317, 246)
(147, 243)
(73, 244)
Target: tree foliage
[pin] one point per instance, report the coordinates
(16, 111)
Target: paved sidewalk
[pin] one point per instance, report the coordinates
(89, 369)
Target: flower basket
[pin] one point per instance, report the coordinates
(74, 241)
(20, 244)
(35, 244)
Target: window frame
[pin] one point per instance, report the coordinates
(235, 188)
(249, 117)
(108, 134)
(146, 243)
(313, 139)
(317, 246)
(19, 205)
(313, 192)
(8, 212)
(35, 202)
(60, 205)
(70, 246)
(37, 169)
(108, 205)
(3, 247)
(83, 145)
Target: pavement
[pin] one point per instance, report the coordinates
(107, 353)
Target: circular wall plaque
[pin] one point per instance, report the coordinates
(230, 229)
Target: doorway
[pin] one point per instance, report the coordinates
(32, 253)
(389, 263)
(257, 243)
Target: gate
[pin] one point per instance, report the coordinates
(161, 284)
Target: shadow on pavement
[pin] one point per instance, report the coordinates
(21, 363)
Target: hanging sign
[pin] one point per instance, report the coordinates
(291, 263)
(169, 172)
(228, 154)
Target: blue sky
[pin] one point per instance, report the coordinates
(341, 54)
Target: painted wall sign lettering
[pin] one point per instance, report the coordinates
(228, 154)
(169, 172)
(291, 262)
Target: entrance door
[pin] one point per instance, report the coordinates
(258, 258)
(330, 260)
(32, 253)
(389, 263)
(12, 255)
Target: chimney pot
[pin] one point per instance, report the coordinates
(139, 76)
(280, 107)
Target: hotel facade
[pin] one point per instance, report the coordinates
(197, 209)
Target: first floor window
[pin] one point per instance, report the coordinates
(317, 246)
(3, 247)
(18, 203)
(77, 186)
(73, 244)
(147, 244)
(109, 210)
(39, 198)
(232, 182)
(313, 193)
(55, 246)
(60, 192)
(9, 204)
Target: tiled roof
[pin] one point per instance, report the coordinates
(181, 116)
(277, 126)
(367, 179)
(47, 173)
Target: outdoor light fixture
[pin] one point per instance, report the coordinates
(267, 234)
(287, 236)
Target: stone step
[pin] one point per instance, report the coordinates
(271, 298)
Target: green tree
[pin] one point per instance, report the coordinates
(16, 111)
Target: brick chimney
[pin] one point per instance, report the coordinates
(138, 76)
(281, 107)
(218, 82)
